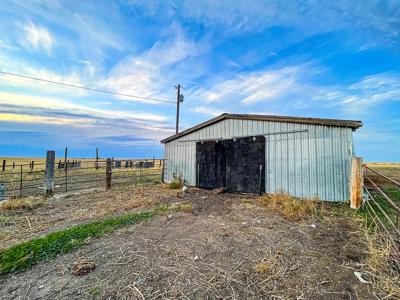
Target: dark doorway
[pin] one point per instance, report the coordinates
(238, 165)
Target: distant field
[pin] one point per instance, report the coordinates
(384, 164)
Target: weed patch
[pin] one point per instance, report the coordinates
(289, 207)
(26, 254)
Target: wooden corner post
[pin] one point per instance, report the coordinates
(108, 173)
(356, 183)
(49, 180)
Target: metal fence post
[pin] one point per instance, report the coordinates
(49, 179)
(108, 173)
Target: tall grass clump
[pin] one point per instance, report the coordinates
(291, 208)
(383, 263)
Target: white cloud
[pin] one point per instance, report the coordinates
(374, 20)
(207, 111)
(37, 37)
(359, 97)
(48, 104)
(258, 86)
(153, 71)
(294, 90)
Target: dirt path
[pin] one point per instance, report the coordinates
(228, 247)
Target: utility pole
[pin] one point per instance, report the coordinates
(179, 99)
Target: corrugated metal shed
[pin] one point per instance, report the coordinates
(304, 157)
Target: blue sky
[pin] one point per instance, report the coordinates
(330, 59)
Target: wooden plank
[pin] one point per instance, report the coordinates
(356, 183)
(108, 173)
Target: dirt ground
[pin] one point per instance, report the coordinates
(65, 210)
(228, 247)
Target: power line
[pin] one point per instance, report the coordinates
(87, 88)
(159, 129)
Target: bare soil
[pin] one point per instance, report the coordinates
(65, 210)
(227, 247)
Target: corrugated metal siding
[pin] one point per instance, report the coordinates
(315, 163)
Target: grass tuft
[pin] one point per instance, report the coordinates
(174, 185)
(26, 254)
(289, 207)
(22, 203)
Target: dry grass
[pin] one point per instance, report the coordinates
(22, 203)
(118, 203)
(291, 208)
(385, 276)
(266, 266)
(174, 185)
(186, 208)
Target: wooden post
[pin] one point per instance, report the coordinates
(4, 165)
(356, 183)
(97, 158)
(162, 171)
(66, 168)
(20, 183)
(49, 179)
(108, 173)
(33, 165)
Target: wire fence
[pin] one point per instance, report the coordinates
(381, 204)
(29, 179)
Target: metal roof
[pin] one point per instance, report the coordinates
(303, 120)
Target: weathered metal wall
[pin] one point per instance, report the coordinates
(311, 163)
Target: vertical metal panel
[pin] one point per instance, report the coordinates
(308, 164)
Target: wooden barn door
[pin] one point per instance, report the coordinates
(210, 163)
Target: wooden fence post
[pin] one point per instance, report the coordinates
(108, 173)
(49, 179)
(97, 158)
(356, 183)
(162, 170)
(4, 165)
(20, 182)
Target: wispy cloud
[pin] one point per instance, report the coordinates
(374, 19)
(207, 110)
(26, 109)
(37, 37)
(153, 71)
(361, 96)
(297, 87)
(258, 86)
